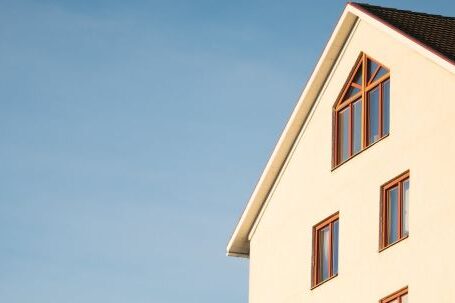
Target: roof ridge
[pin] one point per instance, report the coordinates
(367, 5)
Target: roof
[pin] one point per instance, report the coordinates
(435, 31)
(432, 36)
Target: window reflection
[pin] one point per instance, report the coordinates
(386, 108)
(405, 211)
(335, 248)
(357, 127)
(324, 253)
(343, 134)
(372, 66)
(392, 215)
(404, 298)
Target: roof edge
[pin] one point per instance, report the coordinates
(238, 255)
(239, 243)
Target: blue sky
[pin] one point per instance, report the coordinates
(133, 132)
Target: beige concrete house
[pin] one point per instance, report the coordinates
(357, 202)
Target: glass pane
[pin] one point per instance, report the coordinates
(372, 66)
(335, 248)
(386, 107)
(405, 212)
(358, 77)
(404, 298)
(380, 73)
(392, 215)
(357, 127)
(351, 92)
(343, 134)
(323, 254)
(373, 115)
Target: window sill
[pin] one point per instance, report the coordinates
(320, 283)
(392, 244)
(353, 156)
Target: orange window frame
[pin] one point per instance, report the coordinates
(316, 253)
(367, 85)
(398, 295)
(395, 182)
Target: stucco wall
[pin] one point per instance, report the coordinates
(422, 139)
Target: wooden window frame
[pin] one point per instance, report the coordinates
(340, 105)
(396, 295)
(383, 230)
(315, 257)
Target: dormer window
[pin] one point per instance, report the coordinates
(362, 112)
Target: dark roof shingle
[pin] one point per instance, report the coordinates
(435, 31)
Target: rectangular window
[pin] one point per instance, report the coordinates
(325, 250)
(394, 210)
(400, 296)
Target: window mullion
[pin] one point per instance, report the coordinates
(330, 249)
(364, 104)
(380, 110)
(335, 147)
(386, 220)
(400, 210)
(383, 219)
(383, 78)
(316, 257)
(351, 128)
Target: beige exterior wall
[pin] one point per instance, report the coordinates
(422, 139)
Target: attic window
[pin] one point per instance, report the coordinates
(362, 112)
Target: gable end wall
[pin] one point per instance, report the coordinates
(422, 139)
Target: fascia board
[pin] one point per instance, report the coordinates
(239, 243)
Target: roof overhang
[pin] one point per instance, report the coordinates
(239, 244)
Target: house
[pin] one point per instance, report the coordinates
(357, 202)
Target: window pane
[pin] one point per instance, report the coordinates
(405, 212)
(386, 107)
(392, 215)
(372, 66)
(323, 254)
(335, 248)
(343, 135)
(380, 73)
(357, 127)
(358, 77)
(404, 298)
(373, 115)
(351, 92)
